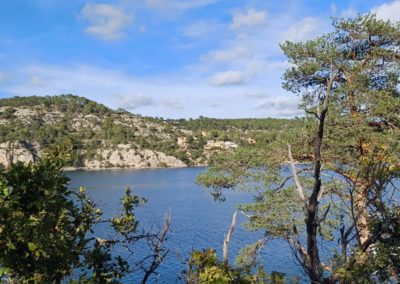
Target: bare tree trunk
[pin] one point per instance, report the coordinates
(228, 238)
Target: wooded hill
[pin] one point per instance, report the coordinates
(99, 137)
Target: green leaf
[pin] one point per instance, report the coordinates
(4, 271)
(6, 191)
(31, 246)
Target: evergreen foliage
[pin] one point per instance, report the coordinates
(344, 189)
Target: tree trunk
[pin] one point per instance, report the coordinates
(315, 268)
(352, 103)
(360, 205)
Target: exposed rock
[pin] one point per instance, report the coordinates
(52, 117)
(226, 145)
(13, 152)
(94, 131)
(120, 157)
(182, 142)
(125, 157)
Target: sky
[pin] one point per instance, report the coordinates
(165, 58)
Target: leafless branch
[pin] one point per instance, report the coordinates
(325, 214)
(228, 237)
(245, 214)
(320, 194)
(158, 249)
(299, 188)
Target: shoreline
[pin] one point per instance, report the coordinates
(75, 169)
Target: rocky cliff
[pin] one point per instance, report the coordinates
(123, 156)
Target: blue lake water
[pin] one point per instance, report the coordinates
(197, 220)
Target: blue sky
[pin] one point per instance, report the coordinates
(171, 59)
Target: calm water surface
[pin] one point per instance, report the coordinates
(197, 220)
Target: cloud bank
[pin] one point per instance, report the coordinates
(105, 21)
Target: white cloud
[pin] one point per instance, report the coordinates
(173, 95)
(277, 65)
(286, 107)
(131, 102)
(235, 53)
(388, 11)
(350, 12)
(105, 21)
(37, 81)
(228, 78)
(303, 30)
(249, 19)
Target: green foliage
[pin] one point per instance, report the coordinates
(68, 103)
(383, 261)
(48, 232)
(360, 154)
(243, 124)
(205, 268)
(7, 113)
(43, 232)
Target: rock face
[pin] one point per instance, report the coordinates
(13, 152)
(225, 145)
(182, 142)
(123, 156)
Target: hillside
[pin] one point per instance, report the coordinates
(100, 137)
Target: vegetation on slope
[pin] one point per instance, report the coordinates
(88, 126)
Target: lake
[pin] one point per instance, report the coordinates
(197, 220)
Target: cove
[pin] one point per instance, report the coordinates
(198, 222)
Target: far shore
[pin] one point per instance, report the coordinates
(73, 169)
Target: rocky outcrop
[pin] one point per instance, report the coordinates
(123, 156)
(13, 152)
(225, 145)
(183, 142)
